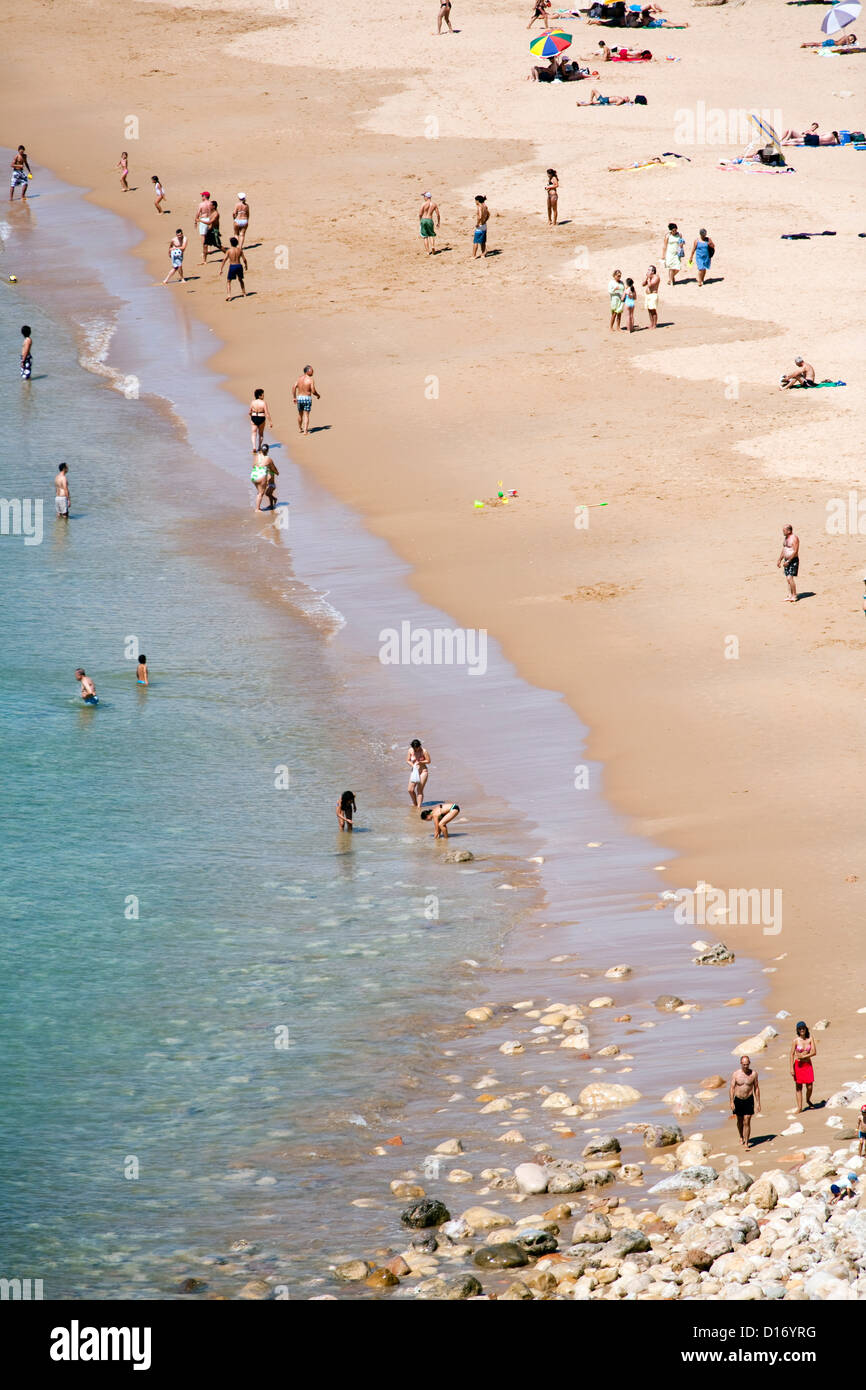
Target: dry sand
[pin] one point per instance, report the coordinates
(333, 122)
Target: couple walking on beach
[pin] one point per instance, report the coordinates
(674, 250)
(745, 1088)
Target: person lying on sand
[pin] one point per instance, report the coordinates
(844, 41)
(623, 55)
(596, 99)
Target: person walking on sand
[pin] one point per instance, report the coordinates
(702, 253)
(419, 761)
(158, 193)
(303, 392)
(651, 282)
(444, 13)
(441, 814)
(790, 559)
(61, 492)
(346, 809)
(259, 413)
(745, 1095)
(176, 248)
(241, 218)
(552, 191)
(141, 670)
(26, 352)
(429, 222)
(236, 261)
(673, 251)
(21, 172)
(541, 10)
(861, 1133)
(123, 166)
(616, 290)
(88, 690)
(259, 475)
(803, 376)
(804, 1048)
(479, 235)
(204, 214)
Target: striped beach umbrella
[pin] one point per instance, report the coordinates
(549, 44)
(841, 16)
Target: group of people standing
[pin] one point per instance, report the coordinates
(623, 294)
(441, 813)
(207, 224)
(430, 217)
(264, 471)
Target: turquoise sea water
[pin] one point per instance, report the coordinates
(220, 1066)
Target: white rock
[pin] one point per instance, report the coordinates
(828, 1288)
(681, 1102)
(756, 1044)
(822, 1025)
(479, 1015)
(599, 1095)
(579, 1041)
(617, 972)
(795, 1128)
(493, 1107)
(449, 1146)
(603, 1001)
(531, 1178)
(558, 1101)
(511, 1049)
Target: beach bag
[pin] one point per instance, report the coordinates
(640, 101)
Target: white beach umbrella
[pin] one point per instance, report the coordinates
(841, 16)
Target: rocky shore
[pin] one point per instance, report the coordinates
(712, 1235)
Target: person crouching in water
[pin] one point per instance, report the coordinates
(345, 810)
(441, 814)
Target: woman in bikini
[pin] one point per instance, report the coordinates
(259, 413)
(552, 191)
(802, 1052)
(419, 760)
(241, 217)
(441, 814)
(345, 810)
(123, 166)
(259, 475)
(542, 8)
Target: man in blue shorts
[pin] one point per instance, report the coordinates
(479, 236)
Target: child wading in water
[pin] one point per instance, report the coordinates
(141, 670)
(345, 810)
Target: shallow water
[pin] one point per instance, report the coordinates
(216, 1005)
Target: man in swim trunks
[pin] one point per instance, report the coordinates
(597, 99)
(88, 690)
(803, 376)
(237, 264)
(745, 1095)
(61, 492)
(790, 558)
(429, 222)
(26, 352)
(651, 283)
(479, 235)
(303, 392)
(204, 215)
(241, 217)
(20, 173)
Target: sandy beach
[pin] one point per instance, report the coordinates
(728, 724)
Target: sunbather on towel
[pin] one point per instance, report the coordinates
(803, 376)
(844, 41)
(596, 99)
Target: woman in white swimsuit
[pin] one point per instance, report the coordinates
(419, 760)
(241, 217)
